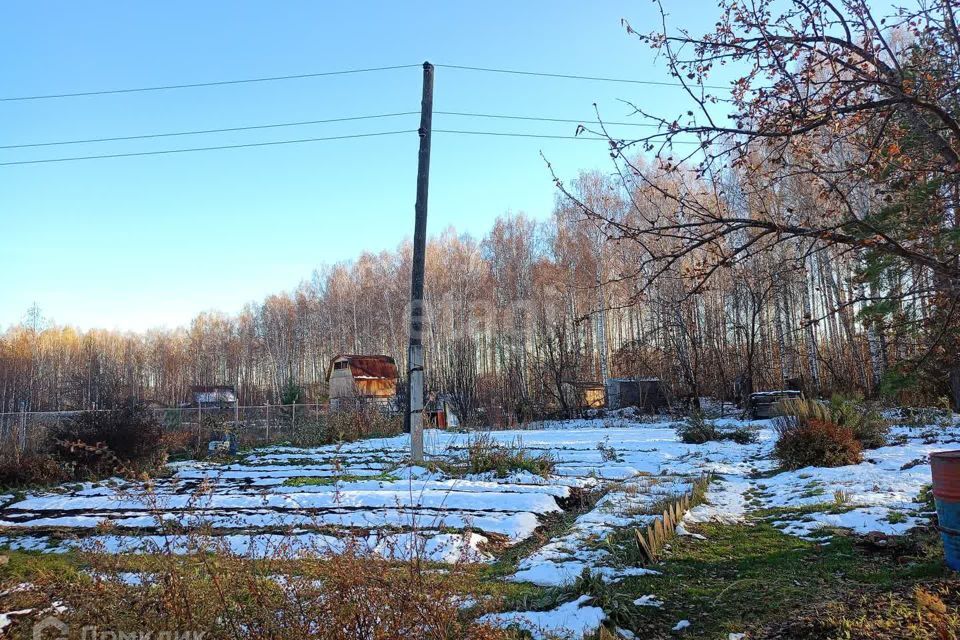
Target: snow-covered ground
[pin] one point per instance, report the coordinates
(317, 500)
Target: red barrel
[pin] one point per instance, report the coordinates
(946, 492)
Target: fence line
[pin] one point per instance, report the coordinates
(27, 431)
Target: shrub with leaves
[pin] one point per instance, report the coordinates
(815, 443)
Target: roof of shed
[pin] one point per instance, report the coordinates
(378, 367)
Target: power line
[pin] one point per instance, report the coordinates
(569, 76)
(539, 119)
(206, 131)
(312, 122)
(300, 76)
(215, 83)
(508, 134)
(500, 134)
(255, 127)
(216, 148)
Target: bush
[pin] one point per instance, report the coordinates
(867, 425)
(31, 470)
(741, 435)
(815, 443)
(485, 454)
(104, 442)
(362, 423)
(697, 430)
(347, 425)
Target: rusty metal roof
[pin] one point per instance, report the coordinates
(368, 366)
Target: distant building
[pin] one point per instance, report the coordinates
(362, 378)
(213, 396)
(763, 404)
(648, 394)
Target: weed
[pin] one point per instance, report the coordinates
(698, 430)
(485, 454)
(607, 452)
(349, 596)
(896, 517)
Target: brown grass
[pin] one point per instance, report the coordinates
(344, 597)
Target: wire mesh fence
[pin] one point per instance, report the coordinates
(30, 431)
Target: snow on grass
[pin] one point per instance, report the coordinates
(6, 619)
(573, 620)
(648, 601)
(367, 485)
(632, 503)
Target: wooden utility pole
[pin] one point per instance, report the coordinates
(415, 353)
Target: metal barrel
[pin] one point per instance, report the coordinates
(946, 491)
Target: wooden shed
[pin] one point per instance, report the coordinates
(362, 378)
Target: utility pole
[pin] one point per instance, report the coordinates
(415, 353)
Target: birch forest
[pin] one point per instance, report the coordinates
(811, 243)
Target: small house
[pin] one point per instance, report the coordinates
(648, 394)
(213, 396)
(439, 412)
(354, 379)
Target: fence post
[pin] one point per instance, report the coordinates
(20, 441)
(268, 421)
(293, 422)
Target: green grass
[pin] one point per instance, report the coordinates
(23, 566)
(325, 481)
(743, 576)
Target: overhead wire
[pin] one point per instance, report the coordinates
(322, 121)
(214, 83)
(314, 122)
(213, 148)
(570, 76)
(207, 131)
(320, 74)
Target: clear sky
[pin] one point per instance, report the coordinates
(141, 242)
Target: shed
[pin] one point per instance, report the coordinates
(763, 403)
(213, 396)
(359, 378)
(649, 394)
(594, 395)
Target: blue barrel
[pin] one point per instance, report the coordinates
(945, 467)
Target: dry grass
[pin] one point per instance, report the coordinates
(344, 597)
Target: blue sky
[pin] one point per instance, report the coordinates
(143, 242)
